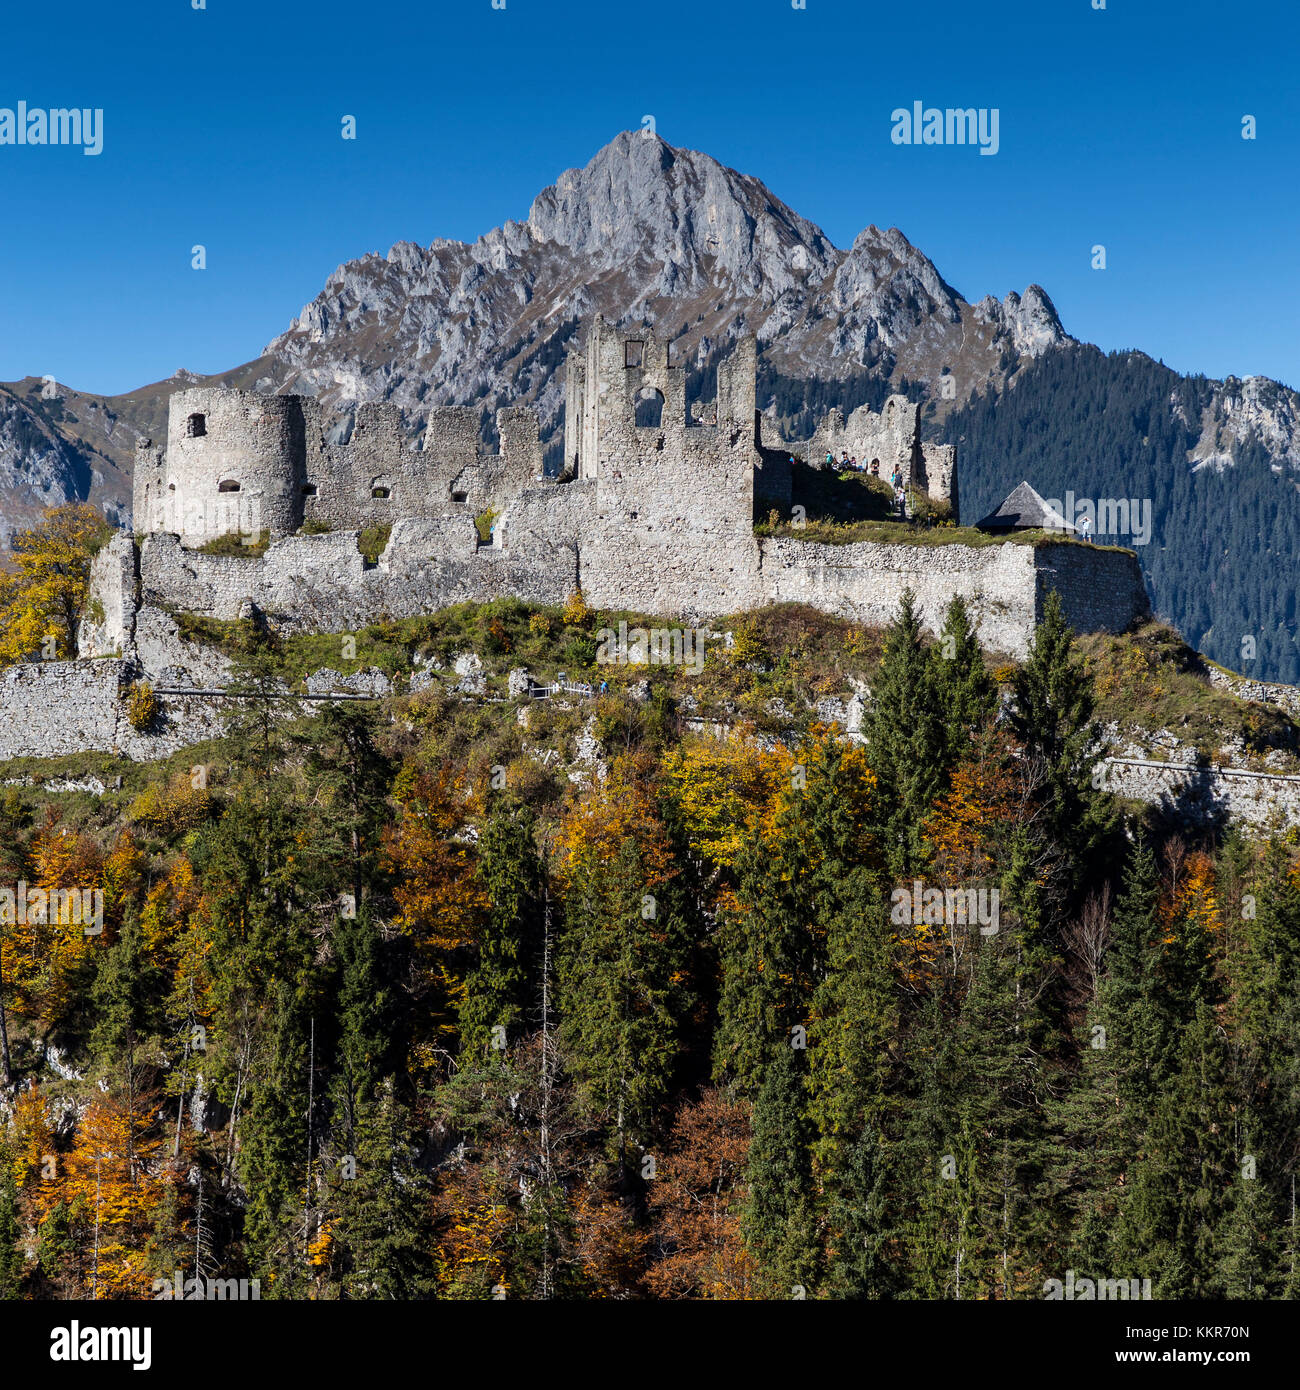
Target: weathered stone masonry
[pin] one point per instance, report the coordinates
(654, 512)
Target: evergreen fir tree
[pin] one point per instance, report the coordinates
(277, 1132)
(500, 988)
(126, 995)
(861, 1264)
(1052, 716)
(1247, 1244)
(779, 1218)
(906, 741)
(1183, 1173)
(619, 957)
(349, 778)
(11, 1255)
(767, 954)
(965, 690)
(364, 1013)
(381, 1227)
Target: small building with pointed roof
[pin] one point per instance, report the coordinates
(1025, 510)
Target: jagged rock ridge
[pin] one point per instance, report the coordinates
(646, 232)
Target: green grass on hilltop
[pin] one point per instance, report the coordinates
(1152, 679)
(237, 545)
(913, 533)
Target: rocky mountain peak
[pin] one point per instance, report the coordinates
(1030, 320)
(640, 197)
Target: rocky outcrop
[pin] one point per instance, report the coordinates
(1255, 410)
(690, 218)
(645, 232)
(1029, 323)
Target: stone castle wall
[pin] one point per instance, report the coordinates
(1101, 588)
(50, 709)
(1207, 795)
(241, 462)
(655, 471)
(865, 582)
(321, 583)
(546, 545)
(891, 439)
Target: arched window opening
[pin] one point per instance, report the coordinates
(196, 426)
(380, 492)
(228, 485)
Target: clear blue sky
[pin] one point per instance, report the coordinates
(222, 127)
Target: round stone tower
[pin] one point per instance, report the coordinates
(235, 463)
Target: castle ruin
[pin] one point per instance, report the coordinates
(653, 511)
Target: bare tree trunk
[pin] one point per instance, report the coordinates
(94, 1277)
(311, 1097)
(234, 1106)
(180, 1103)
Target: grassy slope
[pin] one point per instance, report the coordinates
(1147, 680)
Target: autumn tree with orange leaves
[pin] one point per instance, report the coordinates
(695, 1203)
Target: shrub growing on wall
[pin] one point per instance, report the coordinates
(142, 707)
(373, 540)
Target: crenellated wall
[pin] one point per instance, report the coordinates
(657, 513)
(240, 462)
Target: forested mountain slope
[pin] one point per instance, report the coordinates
(469, 995)
(1221, 563)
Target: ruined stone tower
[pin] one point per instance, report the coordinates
(235, 461)
(626, 428)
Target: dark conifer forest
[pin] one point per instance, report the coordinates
(1221, 564)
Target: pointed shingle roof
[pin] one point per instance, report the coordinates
(1024, 510)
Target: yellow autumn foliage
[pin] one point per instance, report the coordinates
(42, 600)
(725, 793)
(174, 808)
(576, 611)
(114, 1182)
